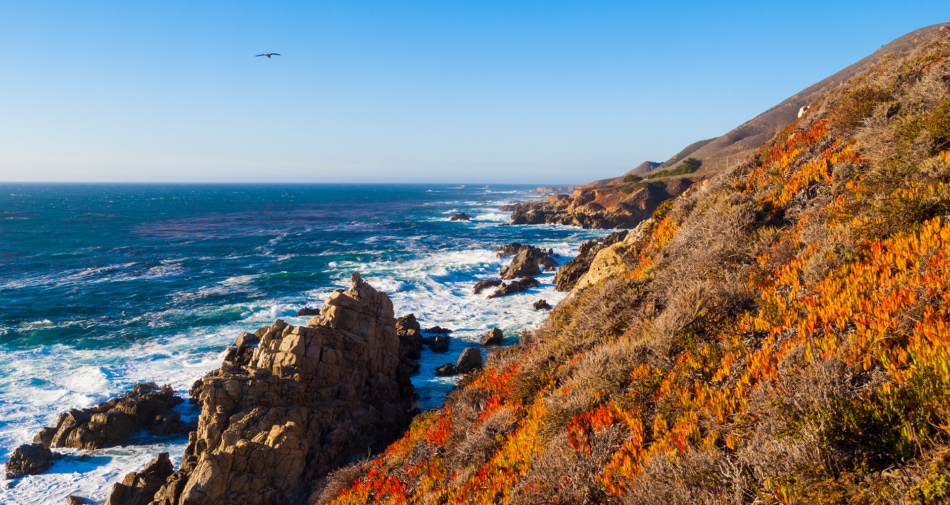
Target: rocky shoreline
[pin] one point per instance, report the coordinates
(289, 404)
(607, 205)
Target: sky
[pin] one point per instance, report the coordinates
(450, 91)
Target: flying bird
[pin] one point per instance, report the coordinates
(268, 54)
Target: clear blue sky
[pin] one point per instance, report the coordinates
(546, 92)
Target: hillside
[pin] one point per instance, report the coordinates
(624, 201)
(776, 334)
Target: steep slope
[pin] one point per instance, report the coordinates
(776, 334)
(623, 202)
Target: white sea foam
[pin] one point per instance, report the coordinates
(37, 384)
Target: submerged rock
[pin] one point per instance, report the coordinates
(308, 399)
(29, 459)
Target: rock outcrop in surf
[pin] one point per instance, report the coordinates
(291, 403)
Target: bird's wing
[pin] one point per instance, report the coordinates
(275, 54)
(260, 55)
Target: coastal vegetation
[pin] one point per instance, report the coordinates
(779, 334)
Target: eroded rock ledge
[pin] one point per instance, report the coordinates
(302, 400)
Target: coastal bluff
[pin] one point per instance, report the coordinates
(291, 403)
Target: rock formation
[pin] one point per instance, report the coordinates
(308, 311)
(483, 285)
(461, 216)
(493, 337)
(515, 286)
(542, 305)
(297, 403)
(437, 343)
(410, 343)
(617, 206)
(138, 488)
(470, 360)
(113, 422)
(571, 272)
(29, 459)
(528, 260)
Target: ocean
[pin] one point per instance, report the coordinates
(103, 286)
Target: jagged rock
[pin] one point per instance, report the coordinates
(461, 216)
(483, 285)
(567, 276)
(113, 422)
(469, 360)
(438, 343)
(493, 337)
(528, 260)
(76, 500)
(29, 459)
(410, 343)
(308, 311)
(138, 488)
(542, 305)
(309, 399)
(239, 353)
(516, 286)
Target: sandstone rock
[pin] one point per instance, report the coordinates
(516, 286)
(542, 305)
(461, 216)
(29, 459)
(615, 258)
(571, 272)
(308, 399)
(113, 422)
(483, 285)
(469, 360)
(493, 337)
(76, 500)
(308, 311)
(138, 488)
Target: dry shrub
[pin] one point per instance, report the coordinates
(564, 475)
(478, 445)
(329, 487)
(599, 373)
(598, 315)
(693, 477)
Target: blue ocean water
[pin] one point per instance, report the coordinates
(104, 286)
